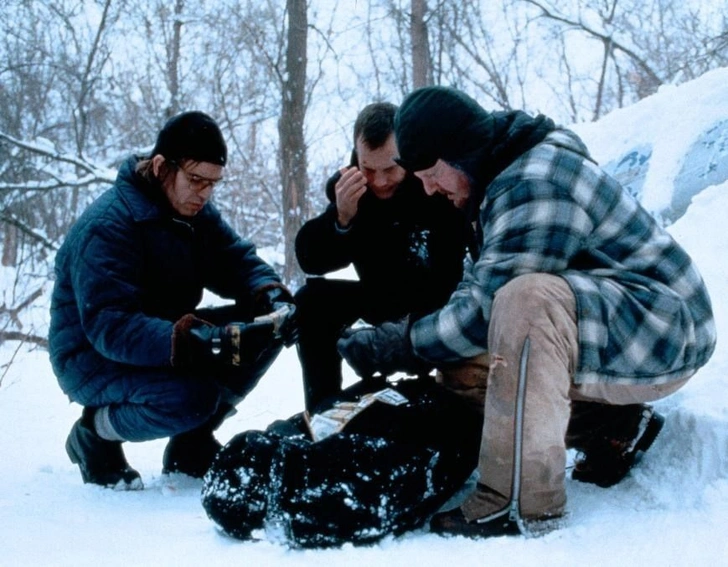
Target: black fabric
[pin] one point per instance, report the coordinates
(408, 253)
(235, 344)
(257, 355)
(100, 461)
(325, 308)
(191, 135)
(408, 249)
(386, 473)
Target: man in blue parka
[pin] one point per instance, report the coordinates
(127, 341)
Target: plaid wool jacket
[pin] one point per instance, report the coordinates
(644, 314)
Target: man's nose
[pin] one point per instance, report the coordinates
(429, 186)
(206, 193)
(380, 180)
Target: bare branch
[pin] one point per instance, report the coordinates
(45, 187)
(24, 338)
(14, 221)
(101, 175)
(606, 39)
(13, 312)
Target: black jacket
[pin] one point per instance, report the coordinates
(408, 250)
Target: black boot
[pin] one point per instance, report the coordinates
(101, 461)
(193, 451)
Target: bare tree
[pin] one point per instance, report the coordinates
(421, 59)
(174, 47)
(484, 58)
(643, 44)
(290, 128)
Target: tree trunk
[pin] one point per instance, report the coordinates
(290, 129)
(173, 60)
(421, 65)
(10, 246)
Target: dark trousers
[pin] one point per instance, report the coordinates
(325, 308)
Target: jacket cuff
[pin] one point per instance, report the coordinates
(341, 229)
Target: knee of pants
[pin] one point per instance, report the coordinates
(309, 300)
(313, 291)
(202, 398)
(187, 406)
(526, 298)
(324, 307)
(165, 410)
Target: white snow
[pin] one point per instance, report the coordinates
(672, 510)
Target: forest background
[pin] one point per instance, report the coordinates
(85, 83)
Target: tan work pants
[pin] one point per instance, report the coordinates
(541, 307)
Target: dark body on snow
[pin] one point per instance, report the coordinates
(385, 473)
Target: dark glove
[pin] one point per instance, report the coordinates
(276, 303)
(385, 349)
(197, 344)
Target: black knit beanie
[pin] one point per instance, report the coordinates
(439, 123)
(194, 136)
(443, 123)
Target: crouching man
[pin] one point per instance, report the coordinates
(586, 307)
(126, 340)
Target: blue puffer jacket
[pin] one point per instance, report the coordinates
(129, 269)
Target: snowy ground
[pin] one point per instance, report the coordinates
(672, 510)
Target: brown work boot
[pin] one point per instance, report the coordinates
(453, 523)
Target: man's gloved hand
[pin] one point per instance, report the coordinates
(385, 349)
(197, 344)
(276, 303)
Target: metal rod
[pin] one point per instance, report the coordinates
(514, 508)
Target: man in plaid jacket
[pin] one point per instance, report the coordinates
(585, 307)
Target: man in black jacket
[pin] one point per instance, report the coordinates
(407, 254)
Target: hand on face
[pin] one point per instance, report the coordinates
(349, 189)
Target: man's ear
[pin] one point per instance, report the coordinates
(157, 163)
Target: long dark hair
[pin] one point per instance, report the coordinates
(145, 169)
